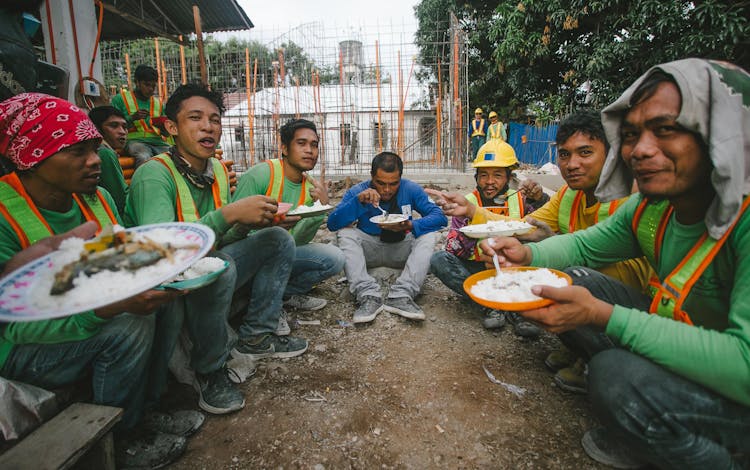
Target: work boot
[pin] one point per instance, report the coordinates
(218, 394)
(560, 359)
(305, 302)
(573, 379)
(269, 345)
(368, 309)
(405, 307)
(608, 450)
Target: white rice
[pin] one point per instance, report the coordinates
(203, 266)
(515, 285)
(498, 226)
(317, 206)
(106, 285)
(390, 219)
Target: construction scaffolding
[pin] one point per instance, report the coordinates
(360, 88)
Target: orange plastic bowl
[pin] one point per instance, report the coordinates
(511, 306)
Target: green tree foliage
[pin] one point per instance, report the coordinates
(542, 51)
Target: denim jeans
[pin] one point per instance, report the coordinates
(363, 251)
(661, 417)
(313, 263)
(204, 312)
(117, 356)
(264, 259)
(453, 271)
(142, 151)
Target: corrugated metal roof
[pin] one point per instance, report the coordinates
(132, 19)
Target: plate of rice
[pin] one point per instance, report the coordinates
(26, 294)
(497, 228)
(311, 211)
(390, 219)
(510, 289)
(200, 274)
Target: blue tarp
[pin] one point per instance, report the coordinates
(540, 143)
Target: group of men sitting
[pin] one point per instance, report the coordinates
(664, 362)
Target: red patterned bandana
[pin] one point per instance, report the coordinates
(35, 126)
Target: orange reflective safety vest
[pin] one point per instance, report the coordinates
(570, 202)
(186, 209)
(24, 218)
(513, 208)
(477, 127)
(649, 225)
(141, 128)
(276, 184)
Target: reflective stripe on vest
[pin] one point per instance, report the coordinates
(186, 208)
(28, 223)
(513, 208)
(570, 202)
(478, 127)
(142, 128)
(495, 130)
(276, 184)
(668, 296)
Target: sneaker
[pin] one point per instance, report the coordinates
(405, 307)
(305, 302)
(493, 320)
(368, 309)
(180, 423)
(283, 329)
(560, 359)
(149, 450)
(605, 449)
(523, 327)
(218, 395)
(572, 379)
(270, 345)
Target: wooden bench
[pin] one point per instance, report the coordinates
(81, 429)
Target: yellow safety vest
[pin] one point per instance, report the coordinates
(513, 208)
(276, 185)
(495, 131)
(570, 201)
(186, 209)
(668, 296)
(477, 126)
(142, 127)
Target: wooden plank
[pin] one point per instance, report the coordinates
(60, 442)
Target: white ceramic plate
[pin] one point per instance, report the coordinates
(24, 293)
(493, 230)
(393, 219)
(304, 214)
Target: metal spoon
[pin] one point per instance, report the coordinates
(497, 265)
(385, 213)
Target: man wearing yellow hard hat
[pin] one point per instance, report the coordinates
(496, 129)
(477, 132)
(494, 170)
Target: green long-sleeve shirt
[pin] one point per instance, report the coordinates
(119, 104)
(153, 199)
(61, 330)
(112, 178)
(256, 181)
(716, 351)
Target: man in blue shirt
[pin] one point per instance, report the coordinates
(407, 244)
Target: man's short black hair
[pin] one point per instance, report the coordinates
(145, 73)
(190, 90)
(287, 130)
(388, 162)
(101, 113)
(648, 87)
(588, 122)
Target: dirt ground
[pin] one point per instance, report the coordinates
(398, 394)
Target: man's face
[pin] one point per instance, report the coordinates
(493, 119)
(115, 131)
(75, 169)
(386, 184)
(491, 181)
(146, 87)
(302, 151)
(198, 128)
(581, 159)
(478, 115)
(667, 160)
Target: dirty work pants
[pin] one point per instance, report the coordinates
(313, 263)
(453, 271)
(660, 416)
(117, 356)
(363, 251)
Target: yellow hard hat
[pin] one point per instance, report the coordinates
(493, 114)
(478, 111)
(495, 154)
